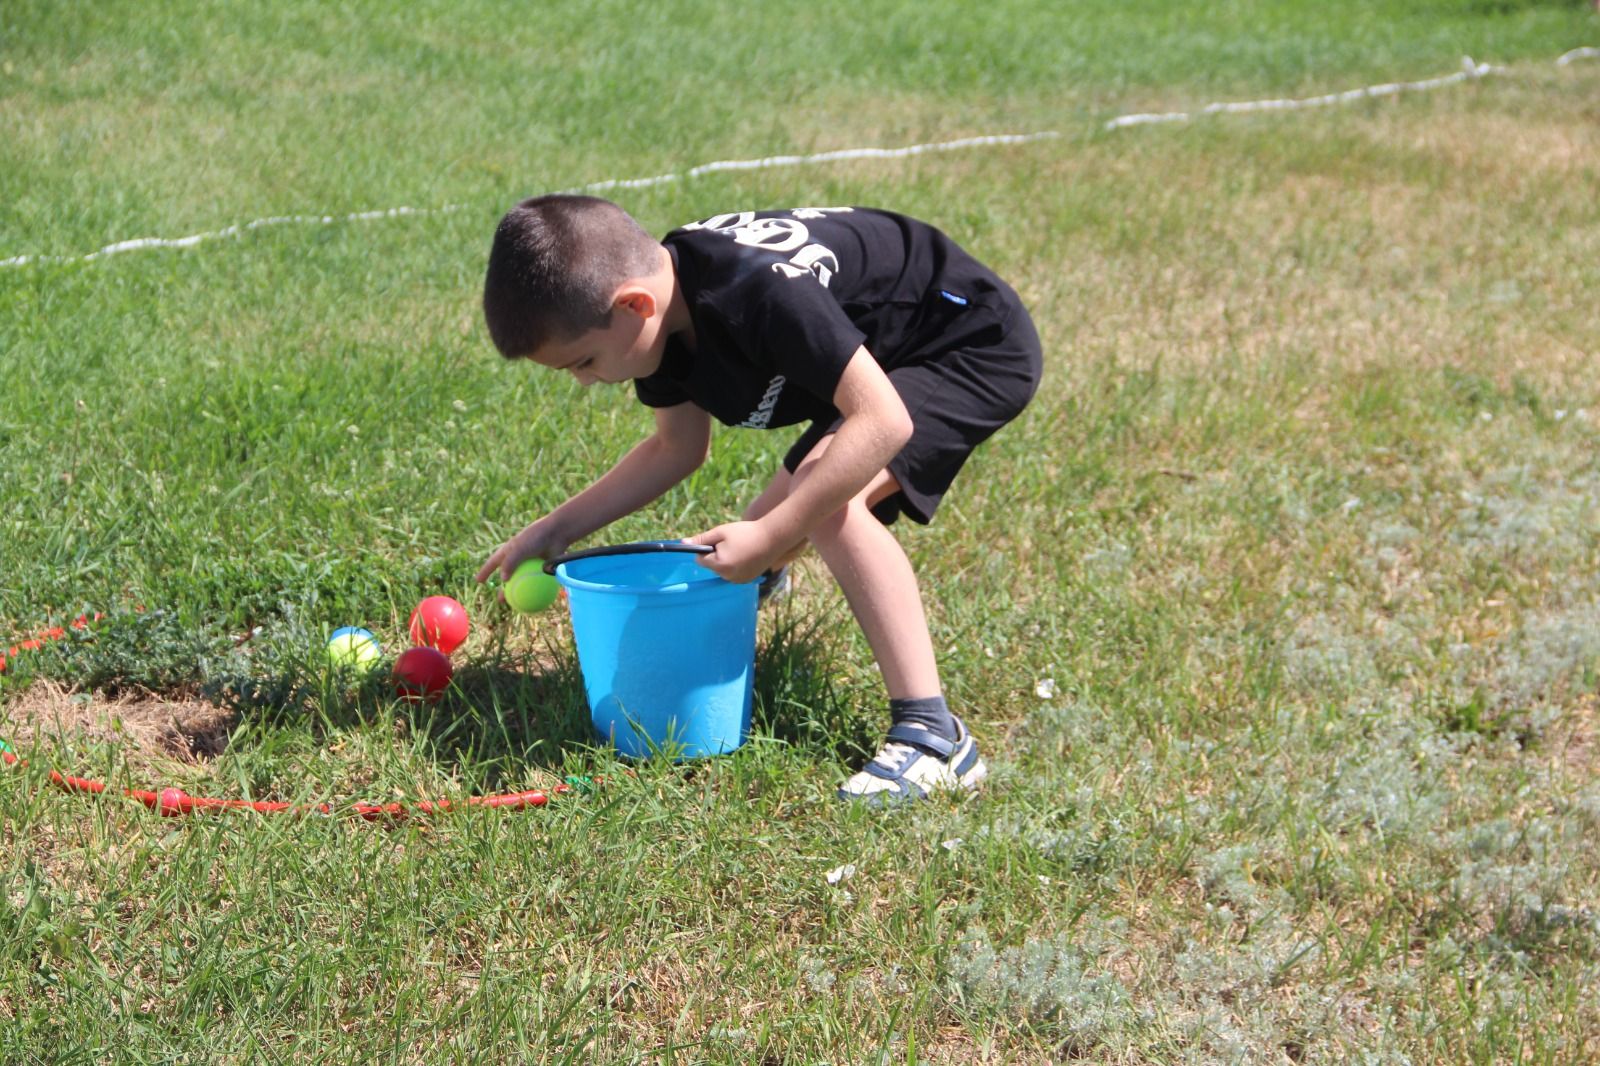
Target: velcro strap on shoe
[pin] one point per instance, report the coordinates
(922, 739)
(887, 773)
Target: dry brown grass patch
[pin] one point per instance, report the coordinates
(152, 728)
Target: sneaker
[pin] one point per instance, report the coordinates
(774, 585)
(916, 761)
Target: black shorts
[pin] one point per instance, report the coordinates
(957, 397)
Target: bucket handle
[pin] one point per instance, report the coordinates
(642, 547)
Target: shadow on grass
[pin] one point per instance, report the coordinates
(502, 717)
(499, 718)
(796, 700)
(503, 714)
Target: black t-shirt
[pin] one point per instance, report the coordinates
(781, 300)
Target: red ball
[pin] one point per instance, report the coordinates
(171, 802)
(422, 674)
(439, 622)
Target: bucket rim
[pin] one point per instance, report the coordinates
(558, 568)
(638, 547)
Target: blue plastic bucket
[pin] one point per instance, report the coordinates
(667, 651)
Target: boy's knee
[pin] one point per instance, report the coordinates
(840, 523)
(859, 509)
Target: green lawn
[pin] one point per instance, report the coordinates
(1277, 615)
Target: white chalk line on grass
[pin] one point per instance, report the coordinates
(1469, 71)
(141, 243)
(836, 156)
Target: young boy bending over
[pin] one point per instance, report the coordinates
(901, 351)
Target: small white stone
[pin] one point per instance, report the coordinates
(840, 873)
(952, 844)
(1045, 688)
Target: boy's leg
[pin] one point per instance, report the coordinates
(957, 397)
(927, 748)
(878, 583)
(778, 488)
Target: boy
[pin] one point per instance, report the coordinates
(902, 351)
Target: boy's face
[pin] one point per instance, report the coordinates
(630, 347)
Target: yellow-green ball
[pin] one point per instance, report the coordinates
(353, 649)
(530, 588)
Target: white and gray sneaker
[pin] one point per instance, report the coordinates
(915, 761)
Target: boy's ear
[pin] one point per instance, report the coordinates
(635, 299)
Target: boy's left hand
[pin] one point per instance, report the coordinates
(744, 550)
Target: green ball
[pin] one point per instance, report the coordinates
(530, 588)
(354, 649)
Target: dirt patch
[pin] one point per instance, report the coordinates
(1580, 748)
(150, 726)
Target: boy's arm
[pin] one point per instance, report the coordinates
(876, 426)
(678, 447)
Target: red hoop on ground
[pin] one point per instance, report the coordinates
(173, 802)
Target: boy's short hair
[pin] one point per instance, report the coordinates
(556, 262)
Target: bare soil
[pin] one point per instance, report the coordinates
(152, 728)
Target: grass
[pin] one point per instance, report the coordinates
(1301, 528)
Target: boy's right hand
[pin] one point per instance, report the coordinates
(539, 540)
